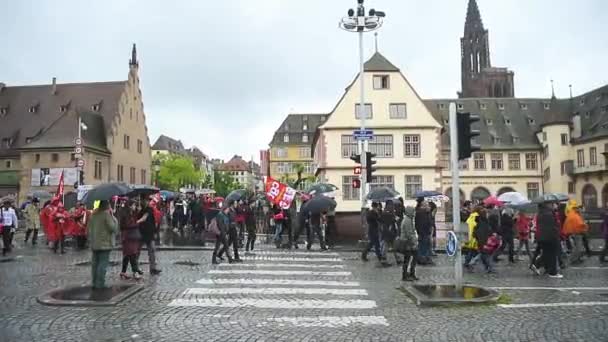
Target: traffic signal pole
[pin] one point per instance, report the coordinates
(362, 114)
(455, 194)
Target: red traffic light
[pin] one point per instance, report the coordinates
(356, 183)
(357, 170)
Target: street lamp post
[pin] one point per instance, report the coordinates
(358, 22)
(156, 164)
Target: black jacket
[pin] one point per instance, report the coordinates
(423, 223)
(482, 232)
(372, 219)
(506, 226)
(547, 228)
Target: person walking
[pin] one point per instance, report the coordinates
(373, 234)
(472, 245)
(251, 227)
(32, 221)
(506, 234)
(332, 229)
(548, 240)
(130, 239)
(424, 230)
(10, 223)
(147, 229)
(303, 224)
(220, 226)
(522, 224)
(389, 230)
(408, 244)
(575, 227)
(102, 226)
(316, 221)
(60, 219)
(233, 234)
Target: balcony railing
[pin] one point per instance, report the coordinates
(599, 167)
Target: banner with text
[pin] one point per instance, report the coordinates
(279, 193)
(51, 176)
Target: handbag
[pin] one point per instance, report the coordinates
(401, 246)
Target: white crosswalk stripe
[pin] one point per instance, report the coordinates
(287, 280)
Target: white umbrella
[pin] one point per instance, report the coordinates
(514, 198)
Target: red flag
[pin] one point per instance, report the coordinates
(279, 193)
(60, 186)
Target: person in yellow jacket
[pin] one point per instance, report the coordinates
(471, 245)
(575, 227)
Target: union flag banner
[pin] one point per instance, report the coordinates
(279, 193)
(60, 186)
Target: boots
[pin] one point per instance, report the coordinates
(27, 235)
(364, 255)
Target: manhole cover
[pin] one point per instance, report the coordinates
(186, 263)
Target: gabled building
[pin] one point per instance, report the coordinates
(240, 170)
(39, 125)
(168, 145)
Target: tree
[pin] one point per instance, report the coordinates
(178, 171)
(224, 184)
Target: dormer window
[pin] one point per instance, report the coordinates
(516, 140)
(501, 106)
(496, 140)
(482, 106)
(523, 106)
(460, 106)
(587, 114)
(28, 140)
(286, 138)
(508, 122)
(95, 107)
(305, 138)
(446, 121)
(582, 102)
(489, 122)
(547, 106)
(531, 121)
(322, 117)
(7, 142)
(287, 127)
(63, 108)
(33, 109)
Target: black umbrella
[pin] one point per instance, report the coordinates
(382, 194)
(317, 204)
(236, 195)
(105, 192)
(143, 190)
(426, 193)
(321, 188)
(546, 198)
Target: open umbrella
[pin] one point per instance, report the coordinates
(513, 197)
(167, 195)
(492, 200)
(382, 194)
(560, 197)
(545, 198)
(426, 193)
(105, 192)
(318, 204)
(236, 195)
(321, 188)
(143, 190)
(42, 195)
(528, 208)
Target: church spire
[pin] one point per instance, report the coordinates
(133, 62)
(473, 22)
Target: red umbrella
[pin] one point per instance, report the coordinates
(492, 200)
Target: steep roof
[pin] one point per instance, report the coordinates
(165, 143)
(379, 63)
(593, 110)
(473, 21)
(28, 112)
(293, 126)
(236, 163)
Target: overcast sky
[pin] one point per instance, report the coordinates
(222, 75)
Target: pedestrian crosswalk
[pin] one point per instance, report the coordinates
(285, 286)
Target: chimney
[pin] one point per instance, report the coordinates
(2, 86)
(54, 90)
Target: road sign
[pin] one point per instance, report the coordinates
(78, 150)
(357, 170)
(451, 244)
(77, 155)
(80, 163)
(78, 141)
(356, 183)
(363, 134)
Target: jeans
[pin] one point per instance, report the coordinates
(471, 254)
(231, 241)
(374, 242)
(221, 242)
(486, 259)
(278, 230)
(150, 245)
(526, 244)
(409, 264)
(424, 246)
(577, 251)
(99, 266)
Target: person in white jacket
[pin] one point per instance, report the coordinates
(10, 223)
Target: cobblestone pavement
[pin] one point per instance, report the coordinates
(297, 296)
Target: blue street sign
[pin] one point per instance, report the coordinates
(363, 134)
(451, 244)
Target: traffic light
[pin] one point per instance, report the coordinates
(81, 177)
(356, 158)
(356, 183)
(466, 134)
(369, 165)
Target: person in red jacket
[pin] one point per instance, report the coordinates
(52, 232)
(79, 225)
(522, 224)
(60, 218)
(45, 220)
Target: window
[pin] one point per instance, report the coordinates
(305, 127)
(547, 106)
(531, 122)
(547, 174)
(514, 161)
(72, 156)
(55, 157)
(143, 176)
(9, 164)
(33, 109)
(3, 110)
(95, 107)
(533, 190)
(286, 138)
(98, 171)
(563, 167)
(496, 140)
(496, 160)
(382, 146)
(126, 142)
(37, 157)
(279, 152)
(489, 122)
(592, 156)
(564, 139)
(304, 152)
(140, 146)
(120, 173)
(349, 146)
(132, 175)
(580, 158)
(63, 108)
(482, 106)
(322, 118)
(587, 114)
(442, 106)
(508, 122)
(516, 140)
(523, 106)
(571, 187)
(305, 138)
(368, 111)
(544, 136)
(379, 181)
(413, 184)
(463, 164)
(582, 102)
(501, 106)
(348, 192)
(479, 160)
(411, 145)
(545, 152)
(460, 106)
(531, 161)
(397, 110)
(381, 82)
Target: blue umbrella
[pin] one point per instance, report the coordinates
(167, 195)
(426, 193)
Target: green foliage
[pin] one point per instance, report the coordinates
(224, 184)
(177, 171)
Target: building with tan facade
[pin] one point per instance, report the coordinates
(40, 123)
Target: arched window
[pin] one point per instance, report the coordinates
(478, 61)
(448, 192)
(505, 189)
(472, 63)
(605, 196)
(479, 194)
(589, 197)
